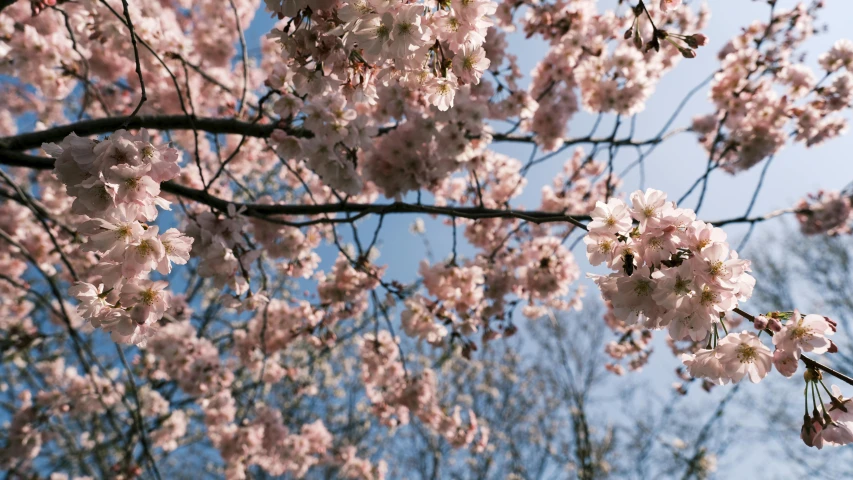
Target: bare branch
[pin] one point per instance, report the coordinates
(143, 96)
(361, 210)
(100, 126)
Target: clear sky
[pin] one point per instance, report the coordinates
(672, 167)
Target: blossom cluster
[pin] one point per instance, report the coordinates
(826, 212)
(261, 347)
(226, 255)
(177, 353)
(439, 49)
(54, 50)
(670, 270)
(673, 271)
(381, 60)
(116, 186)
(772, 104)
(584, 60)
(831, 424)
(395, 394)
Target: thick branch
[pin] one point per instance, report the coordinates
(266, 212)
(26, 141)
(362, 209)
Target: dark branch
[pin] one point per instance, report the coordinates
(26, 141)
(268, 212)
(100, 126)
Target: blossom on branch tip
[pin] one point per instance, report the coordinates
(805, 334)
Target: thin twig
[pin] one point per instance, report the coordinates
(137, 414)
(144, 97)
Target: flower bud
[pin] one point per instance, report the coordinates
(696, 40)
(760, 322)
(774, 325)
(817, 417)
(808, 432)
(687, 52)
(490, 335)
(638, 41)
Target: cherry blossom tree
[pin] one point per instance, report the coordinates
(192, 232)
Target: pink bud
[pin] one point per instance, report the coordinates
(760, 322)
(810, 430)
(700, 39)
(774, 325)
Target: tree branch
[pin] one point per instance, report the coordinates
(269, 211)
(26, 141)
(99, 126)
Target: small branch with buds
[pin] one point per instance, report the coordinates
(810, 364)
(691, 42)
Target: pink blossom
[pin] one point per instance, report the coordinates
(705, 364)
(176, 250)
(805, 334)
(649, 207)
(743, 354)
(612, 217)
(469, 64)
(92, 299)
(667, 5)
(143, 255)
(149, 300)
